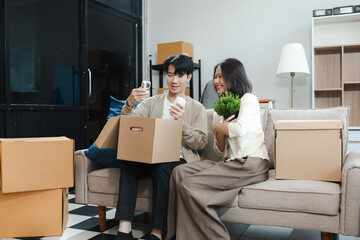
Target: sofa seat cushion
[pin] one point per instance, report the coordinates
(106, 180)
(304, 196)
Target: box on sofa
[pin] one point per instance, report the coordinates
(308, 149)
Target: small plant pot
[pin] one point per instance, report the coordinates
(236, 115)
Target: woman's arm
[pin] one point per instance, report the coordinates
(220, 130)
(249, 111)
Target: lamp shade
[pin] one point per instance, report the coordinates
(293, 59)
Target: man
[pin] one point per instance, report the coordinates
(194, 137)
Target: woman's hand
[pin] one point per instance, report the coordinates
(229, 119)
(177, 111)
(222, 128)
(136, 95)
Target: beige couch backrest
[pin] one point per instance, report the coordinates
(335, 113)
(208, 152)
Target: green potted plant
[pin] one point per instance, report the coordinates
(228, 104)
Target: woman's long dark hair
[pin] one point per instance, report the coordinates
(234, 75)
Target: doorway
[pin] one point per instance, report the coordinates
(113, 57)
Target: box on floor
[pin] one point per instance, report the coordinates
(34, 213)
(35, 175)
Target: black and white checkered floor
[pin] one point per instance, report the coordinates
(84, 224)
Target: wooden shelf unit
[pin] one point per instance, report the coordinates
(336, 63)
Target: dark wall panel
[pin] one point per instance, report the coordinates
(47, 123)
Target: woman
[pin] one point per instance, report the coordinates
(199, 188)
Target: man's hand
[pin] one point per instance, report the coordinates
(177, 111)
(136, 95)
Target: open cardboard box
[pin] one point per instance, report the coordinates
(29, 164)
(142, 139)
(308, 149)
(33, 214)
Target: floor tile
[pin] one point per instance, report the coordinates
(75, 219)
(110, 213)
(265, 232)
(69, 233)
(85, 211)
(87, 224)
(298, 234)
(51, 238)
(236, 228)
(348, 238)
(82, 235)
(103, 236)
(140, 229)
(109, 224)
(73, 206)
(113, 230)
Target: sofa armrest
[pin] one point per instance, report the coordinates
(83, 166)
(350, 199)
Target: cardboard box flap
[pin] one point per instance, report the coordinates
(307, 124)
(108, 137)
(165, 140)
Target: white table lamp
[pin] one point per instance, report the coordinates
(292, 63)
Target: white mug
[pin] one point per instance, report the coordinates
(180, 101)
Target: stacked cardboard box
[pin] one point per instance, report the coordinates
(35, 175)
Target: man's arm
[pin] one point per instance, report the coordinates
(195, 135)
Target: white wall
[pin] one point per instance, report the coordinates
(253, 31)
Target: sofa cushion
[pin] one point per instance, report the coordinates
(106, 180)
(304, 196)
(337, 113)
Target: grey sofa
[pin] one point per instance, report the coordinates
(327, 207)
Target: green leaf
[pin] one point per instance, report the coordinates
(227, 104)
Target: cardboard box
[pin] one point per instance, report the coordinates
(29, 164)
(166, 90)
(141, 139)
(33, 214)
(173, 48)
(308, 150)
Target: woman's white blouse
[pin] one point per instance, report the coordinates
(246, 137)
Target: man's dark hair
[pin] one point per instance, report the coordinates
(182, 64)
(234, 75)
